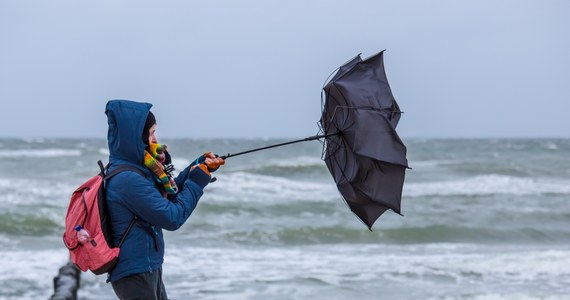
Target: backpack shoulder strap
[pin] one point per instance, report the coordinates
(119, 169)
(124, 236)
(123, 168)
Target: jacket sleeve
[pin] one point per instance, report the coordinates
(195, 175)
(181, 178)
(140, 196)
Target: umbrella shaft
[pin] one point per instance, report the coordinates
(311, 138)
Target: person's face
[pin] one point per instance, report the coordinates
(151, 136)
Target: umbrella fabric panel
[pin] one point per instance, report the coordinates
(381, 182)
(378, 181)
(368, 133)
(372, 135)
(367, 210)
(365, 85)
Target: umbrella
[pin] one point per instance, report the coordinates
(361, 148)
(366, 157)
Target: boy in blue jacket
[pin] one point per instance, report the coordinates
(155, 201)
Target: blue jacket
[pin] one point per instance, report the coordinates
(129, 194)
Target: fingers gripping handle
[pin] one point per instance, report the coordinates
(215, 166)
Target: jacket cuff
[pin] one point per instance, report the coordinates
(199, 177)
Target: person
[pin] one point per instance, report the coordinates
(151, 203)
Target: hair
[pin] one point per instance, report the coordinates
(150, 120)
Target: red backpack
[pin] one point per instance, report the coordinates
(88, 208)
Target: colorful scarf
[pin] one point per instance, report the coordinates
(154, 158)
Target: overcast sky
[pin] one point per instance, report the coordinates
(478, 68)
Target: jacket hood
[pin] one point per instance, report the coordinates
(126, 121)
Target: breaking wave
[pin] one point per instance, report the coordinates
(488, 185)
(39, 153)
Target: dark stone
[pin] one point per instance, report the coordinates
(66, 283)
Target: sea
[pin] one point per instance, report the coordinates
(483, 219)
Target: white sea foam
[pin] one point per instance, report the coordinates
(236, 271)
(17, 191)
(447, 271)
(104, 151)
(39, 153)
(501, 296)
(424, 164)
(300, 161)
(254, 187)
(27, 274)
(550, 145)
(34, 140)
(488, 185)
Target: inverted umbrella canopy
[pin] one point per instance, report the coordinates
(362, 150)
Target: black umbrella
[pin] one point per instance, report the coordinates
(361, 148)
(367, 159)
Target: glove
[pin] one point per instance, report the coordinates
(214, 163)
(211, 160)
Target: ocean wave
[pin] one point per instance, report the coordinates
(27, 224)
(337, 234)
(549, 145)
(243, 186)
(29, 192)
(34, 140)
(465, 234)
(287, 167)
(300, 161)
(28, 273)
(39, 153)
(441, 271)
(424, 273)
(488, 185)
(425, 164)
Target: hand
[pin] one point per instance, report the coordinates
(213, 161)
